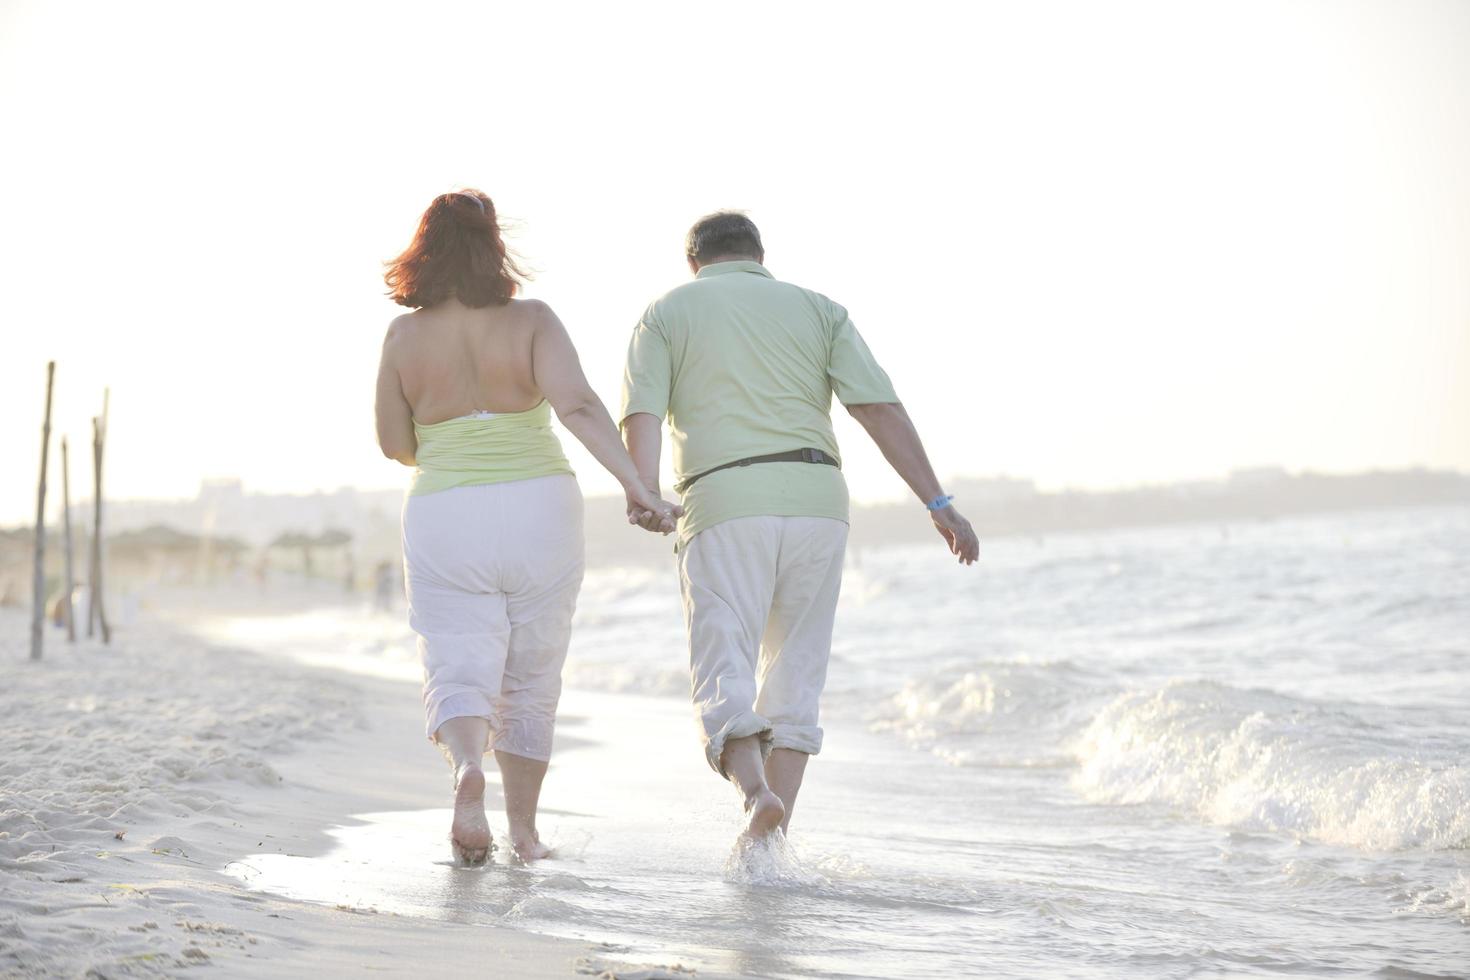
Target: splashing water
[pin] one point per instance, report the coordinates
(770, 861)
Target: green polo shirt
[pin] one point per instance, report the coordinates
(742, 364)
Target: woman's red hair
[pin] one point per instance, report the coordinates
(457, 251)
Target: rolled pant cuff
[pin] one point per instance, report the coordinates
(743, 724)
(799, 738)
(529, 740)
(442, 707)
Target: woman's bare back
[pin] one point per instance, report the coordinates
(453, 359)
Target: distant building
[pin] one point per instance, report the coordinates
(993, 489)
(1258, 476)
(224, 509)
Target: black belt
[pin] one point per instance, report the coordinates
(790, 456)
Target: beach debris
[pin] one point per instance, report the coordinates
(217, 928)
(170, 847)
(603, 970)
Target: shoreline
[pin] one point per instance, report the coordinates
(1253, 729)
(136, 774)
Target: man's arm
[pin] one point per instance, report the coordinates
(893, 431)
(643, 435)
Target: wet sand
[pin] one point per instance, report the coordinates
(140, 781)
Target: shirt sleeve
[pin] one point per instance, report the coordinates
(853, 371)
(648, 373)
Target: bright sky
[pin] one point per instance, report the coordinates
(1093, 243)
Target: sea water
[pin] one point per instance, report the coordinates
(1197, 751)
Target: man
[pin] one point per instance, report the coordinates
(744, 367)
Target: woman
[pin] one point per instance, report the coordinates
(492, 526)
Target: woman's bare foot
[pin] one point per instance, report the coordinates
(469, 834)
(766, 813)
(527, 846)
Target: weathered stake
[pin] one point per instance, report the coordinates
(70, 584)
(38, 608)
(92, 551)
(98, 609)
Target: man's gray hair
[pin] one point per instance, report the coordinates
(724, 233)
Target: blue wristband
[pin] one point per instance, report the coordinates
(940, 502)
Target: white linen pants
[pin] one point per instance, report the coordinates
(493, 573)
(760, 596)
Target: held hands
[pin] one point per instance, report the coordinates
(651, 512)
(957, 533)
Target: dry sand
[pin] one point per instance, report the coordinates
(131, 775)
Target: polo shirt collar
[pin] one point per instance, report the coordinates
(738, 265)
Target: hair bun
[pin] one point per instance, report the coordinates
(470, 204)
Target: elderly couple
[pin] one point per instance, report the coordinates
(743, 367)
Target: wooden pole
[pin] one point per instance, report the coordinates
(93, 559)
(101, 541)
(99, 607)
(70, 583)
(92, 554)
(38, 597)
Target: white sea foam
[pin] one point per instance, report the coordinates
(1004, 713)
(1262, 761)
(1453, 899)
(541, 907)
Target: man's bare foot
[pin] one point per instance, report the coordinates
(527, 845)
(469, 835)
(766, 813)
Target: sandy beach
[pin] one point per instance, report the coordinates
(136, 777)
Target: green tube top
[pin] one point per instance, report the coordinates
(478, 448)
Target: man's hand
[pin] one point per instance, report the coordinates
(651, 512)
(957, 533)
(894, 433)
(643, 434)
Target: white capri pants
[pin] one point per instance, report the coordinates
(760, 596)
(492, 575)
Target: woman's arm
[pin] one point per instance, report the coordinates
(558, 373)
(643, 435)
(394, 414)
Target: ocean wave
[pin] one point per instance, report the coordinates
(1259, 760)
(1451, 899)
(623, 677)
(998, 713)
(541, 907)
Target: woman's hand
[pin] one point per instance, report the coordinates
(650, 511)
